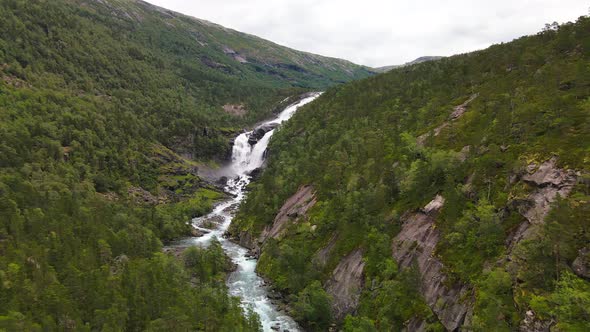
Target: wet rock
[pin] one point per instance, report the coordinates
(345, 284)
(260, 131)
(245, 240)
(212, 222)
(581, 264)
(275, 295)
(196, 233)
(222, 181)
(255, 173)
(251, 254)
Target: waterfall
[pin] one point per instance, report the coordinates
(244, 282)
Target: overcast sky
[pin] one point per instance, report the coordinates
(383, 32)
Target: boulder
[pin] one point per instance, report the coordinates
(260, 131)
(255, 173)
(581, 264)
(222, 181)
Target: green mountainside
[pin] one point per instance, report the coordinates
(421, 59)
(108, 109)
(451, 194)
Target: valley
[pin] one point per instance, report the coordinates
(160, 172)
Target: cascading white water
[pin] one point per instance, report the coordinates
(244, 282)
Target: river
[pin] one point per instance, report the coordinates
(244, 282)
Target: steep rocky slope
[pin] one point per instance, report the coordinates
(455, 193)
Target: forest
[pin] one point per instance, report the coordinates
(107, 111)
(473, 130)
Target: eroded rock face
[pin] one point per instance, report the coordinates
(531, 323)
(321, 256)
(458, 111)
(345, 284)
(581, 264)
(416, 242)
(548, 182)
(415, 325)
(260, 131)
(293, 209)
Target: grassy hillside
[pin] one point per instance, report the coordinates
(484, 131)
(107, 110)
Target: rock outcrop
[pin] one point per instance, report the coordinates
(458, 111)
(294, 208)
(415, 325)
(345, 284)
(142, 196)
(321, 256)
(531, 323)
(260, 131)
(581, 265)
(416, 243)
(548, 182)
(235, 109)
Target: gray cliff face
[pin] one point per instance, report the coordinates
(345, 284)
(416, 242)
(294, 209)
(581, 265)
(548, 182)
(322, 256)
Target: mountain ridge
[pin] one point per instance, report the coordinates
(462, 183)
(421, 59)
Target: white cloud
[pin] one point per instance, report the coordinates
(383, 32)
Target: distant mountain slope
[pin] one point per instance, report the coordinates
(108, 109)
(418, 60)
(233, 53)
(450, 195)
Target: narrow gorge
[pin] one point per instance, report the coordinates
(248, 156)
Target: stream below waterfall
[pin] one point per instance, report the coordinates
(244, 282)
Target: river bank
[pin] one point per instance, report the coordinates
(248, 155)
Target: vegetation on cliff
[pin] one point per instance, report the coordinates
(107, 110)
(501, 134)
